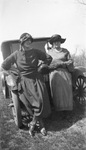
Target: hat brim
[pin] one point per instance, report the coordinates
(63, 40)
(52, 40)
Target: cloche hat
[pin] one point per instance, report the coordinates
(25, 36)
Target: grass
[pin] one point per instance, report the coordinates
(63, 133)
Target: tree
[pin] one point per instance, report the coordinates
(83, 2)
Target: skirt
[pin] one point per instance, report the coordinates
(61, 89)
(34, 95)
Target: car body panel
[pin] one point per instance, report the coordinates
(9, 47)
(8, 81)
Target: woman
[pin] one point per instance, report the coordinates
(33, 92)
(60, 78)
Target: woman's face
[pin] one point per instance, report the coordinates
(27, 43)
(57, 44)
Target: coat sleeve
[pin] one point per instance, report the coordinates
(44, 57)
(10, 60)
(69, 56)
(69, 63)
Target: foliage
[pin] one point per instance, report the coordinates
(80, 60)
(82, 2)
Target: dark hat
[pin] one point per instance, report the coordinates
(25, 36)
(56, 38)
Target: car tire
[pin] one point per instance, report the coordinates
(16, 110)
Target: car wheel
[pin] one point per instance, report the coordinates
(80, 89)
(16, 110)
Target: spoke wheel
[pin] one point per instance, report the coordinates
(80, 89)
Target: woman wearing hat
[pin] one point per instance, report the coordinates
(60, 77)
(33, 92)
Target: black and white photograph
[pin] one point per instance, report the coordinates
(42, 74)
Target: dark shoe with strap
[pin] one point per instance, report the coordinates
(42, 128)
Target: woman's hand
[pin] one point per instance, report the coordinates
(5, 72)
(69, 65)
(56, 64)
(43, 69)
(68, 62)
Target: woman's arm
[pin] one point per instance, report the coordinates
(44, 57)
(10, 60)
(69, 63)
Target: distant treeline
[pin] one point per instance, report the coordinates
(80, 60)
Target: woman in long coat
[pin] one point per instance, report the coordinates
(60, 78)
(33, 91)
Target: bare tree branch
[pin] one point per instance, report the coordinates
(82, 2)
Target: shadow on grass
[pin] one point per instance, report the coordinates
(58, 121)
(62, 120)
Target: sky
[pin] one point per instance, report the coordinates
(43, 18)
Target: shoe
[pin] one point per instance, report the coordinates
(43, 131)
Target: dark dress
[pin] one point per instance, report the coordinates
(33, 92)
(61, 81)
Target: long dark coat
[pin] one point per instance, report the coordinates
(33, 92)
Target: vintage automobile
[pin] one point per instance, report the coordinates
(18, 109)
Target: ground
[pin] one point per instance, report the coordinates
(63, 133)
